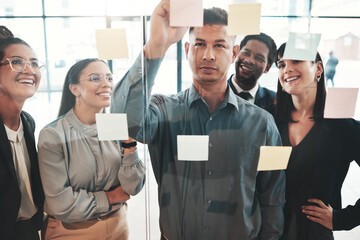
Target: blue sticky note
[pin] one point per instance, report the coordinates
(302, 46)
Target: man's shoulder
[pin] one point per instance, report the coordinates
(267, 92)
(253, 111)
(172, 98)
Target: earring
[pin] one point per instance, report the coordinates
(318, 78)
(77, 101)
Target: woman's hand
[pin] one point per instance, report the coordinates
(117, 196)
(130, 149)
(321, 214)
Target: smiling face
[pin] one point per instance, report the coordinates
(93, 96)
(298, 77)
(210, 53)
(18, 86)
(251, 63)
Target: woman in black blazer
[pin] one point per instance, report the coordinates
(21, 193)
(322, 152)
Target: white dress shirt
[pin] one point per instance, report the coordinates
(251, 91)
(22, 167)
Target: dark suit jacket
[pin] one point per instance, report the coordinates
(10, 196)
(264, 98)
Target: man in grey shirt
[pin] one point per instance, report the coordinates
(224, 197)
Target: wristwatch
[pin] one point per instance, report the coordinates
(128, 145)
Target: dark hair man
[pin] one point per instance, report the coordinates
(257, 54)
(224, 197)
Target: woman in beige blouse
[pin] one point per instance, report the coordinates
(86, 181)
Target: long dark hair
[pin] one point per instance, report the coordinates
(7, 39)
(72, 77)
(284, 104)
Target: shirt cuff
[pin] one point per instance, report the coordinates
(102, 203)
(130, 159)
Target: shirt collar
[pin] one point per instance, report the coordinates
(229, 98)
(90, 131)
(193, 95)
(15, 136)
(239, 89)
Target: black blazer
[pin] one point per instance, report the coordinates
(264, 98)
(10, 196)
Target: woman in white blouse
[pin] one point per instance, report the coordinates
(21, 195)
(86, 181)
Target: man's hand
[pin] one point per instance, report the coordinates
(161, 34)
(117, 196)
(322, 214)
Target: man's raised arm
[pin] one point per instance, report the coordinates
(127, 96)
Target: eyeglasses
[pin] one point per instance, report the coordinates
(18, 64)
(98, 78)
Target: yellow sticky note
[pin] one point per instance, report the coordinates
(244, 18)
(273, 158)
(186, 13)
(111, 43)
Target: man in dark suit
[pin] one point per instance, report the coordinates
(257, 54)
(10, 227)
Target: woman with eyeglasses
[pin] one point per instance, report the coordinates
(21, 197)
(322, 152)
(86, 181)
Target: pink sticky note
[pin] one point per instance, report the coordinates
(340, 102)
(186, 13)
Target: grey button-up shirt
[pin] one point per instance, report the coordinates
(76, 169)
(224, 197)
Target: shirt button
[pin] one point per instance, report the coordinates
(210, 173)
(207, 228)
(209, 201)
(211, 118)
(210, 144)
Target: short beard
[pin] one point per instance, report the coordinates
(245, 83)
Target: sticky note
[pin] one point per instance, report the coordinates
(112, 126)
(111, 43)
(244, 18)
(302, 46)
(273, 158)
(340, 102)
(193, 147)
(186, 13)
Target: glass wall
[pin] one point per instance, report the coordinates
(62, 32)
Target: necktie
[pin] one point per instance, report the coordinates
(245, 95)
